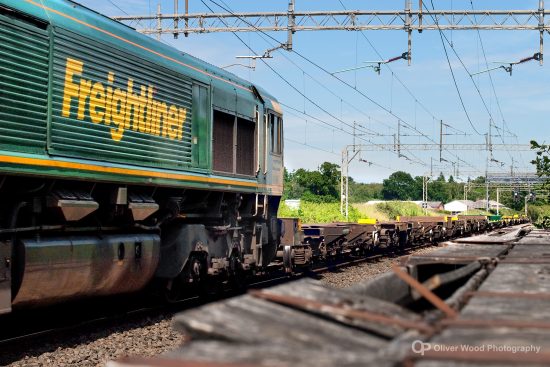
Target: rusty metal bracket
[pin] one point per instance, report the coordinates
(339, 310)
(487, 323)
(525, 260)
(528, 295)
(425, 292)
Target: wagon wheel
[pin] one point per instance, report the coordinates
(323, 250)
(403, 238)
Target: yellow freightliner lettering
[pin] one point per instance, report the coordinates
(120, 109)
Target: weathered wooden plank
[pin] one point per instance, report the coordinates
(462, 249)
(243, 319)
(535, 238)
(534, 251)
(518, 278)
(460, 253)
(375, 315)
(507, 308)
(503, 235)
(315, 290)
(272, 354)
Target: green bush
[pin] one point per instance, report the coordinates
(404, 209)
(318, 212)
(543, 222)
(310, 212)
(540, 215)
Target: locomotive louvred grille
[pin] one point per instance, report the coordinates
(24, 86)
(245, 147)
(222, 144)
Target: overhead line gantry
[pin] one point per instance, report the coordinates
(292, 21)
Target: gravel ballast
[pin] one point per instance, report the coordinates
(349, 275)
(147, 337)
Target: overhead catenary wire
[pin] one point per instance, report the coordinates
(310, 116)
(504, 123)
(394, 75)
(441, 35)
(417, 101)
(313, 119)
(321, 122)
(342, 101)
(310, 146)
(339, 79)
(333, 153)
(372, 101)
(138, 20)
(291, 85)
(444, 39)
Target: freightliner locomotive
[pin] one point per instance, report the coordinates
(123, 160)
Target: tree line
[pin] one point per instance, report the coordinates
(323, 185)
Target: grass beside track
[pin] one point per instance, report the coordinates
(330, 212)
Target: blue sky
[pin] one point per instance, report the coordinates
(523, 97)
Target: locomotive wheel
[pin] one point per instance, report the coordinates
(196, 270)
(237, 274)
(192, 279)
(173, 291)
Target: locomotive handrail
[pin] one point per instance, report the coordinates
(265, 142)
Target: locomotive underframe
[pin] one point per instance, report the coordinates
(192, 234)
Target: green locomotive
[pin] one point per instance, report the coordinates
(123, 160)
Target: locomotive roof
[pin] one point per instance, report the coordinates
(78, 18)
